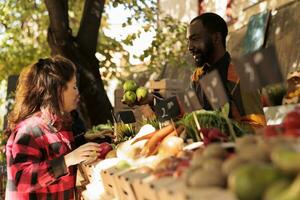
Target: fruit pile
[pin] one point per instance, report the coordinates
(213, 126)
(290, 127)
(133, 94)
(260, 168)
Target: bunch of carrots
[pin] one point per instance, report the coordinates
(155, 138)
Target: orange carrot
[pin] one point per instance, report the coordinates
(144, 137)
(156, 138)
(175, 132)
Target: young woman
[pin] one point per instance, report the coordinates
(41, 160)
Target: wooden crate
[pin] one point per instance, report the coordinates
(169, 84)
(125, 180)
(144, 191)
(169, 93)
(148, 188)
(173, 191)
(108, 180)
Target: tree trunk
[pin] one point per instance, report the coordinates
(95, 105)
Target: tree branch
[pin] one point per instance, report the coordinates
(90, 23)
(59, 21)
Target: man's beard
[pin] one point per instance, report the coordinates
(199, 59)
(202, 57)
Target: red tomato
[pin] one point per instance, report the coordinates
(292, 120)
(273, 130)
(292, 132)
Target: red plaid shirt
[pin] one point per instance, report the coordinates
(35, 162)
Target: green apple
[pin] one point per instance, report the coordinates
(130, 85)
(129, 97)
(141, 93)
(122, 164)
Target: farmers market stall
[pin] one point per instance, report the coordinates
(196, 155)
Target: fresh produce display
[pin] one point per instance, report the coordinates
(104, 148)
(153, 122)
(141, 93)
(290, 126)
(260, 168)
(123, 132)
(131, 148)
(207, 163)
(130, 85)
(250, 181)
(201, 151)
(213, 125)
(133, 94)
(172, 166)
(161, 139)
(100, 133)
(151, 144)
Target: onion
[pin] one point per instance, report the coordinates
(171, 145)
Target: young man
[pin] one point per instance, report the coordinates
(207, 43)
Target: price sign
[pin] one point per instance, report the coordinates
(249, 76)
(167, 109)
(191, 101)
(127, 117)
(259, 69)
(213, 89)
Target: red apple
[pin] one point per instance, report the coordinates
(273, 130)
(292, 132)
(292, 120)
(104, 149)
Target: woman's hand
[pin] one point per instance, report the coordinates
(86, 153)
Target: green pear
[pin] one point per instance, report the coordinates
(286, 159)
(130, 85)
(129, 98)
(249, 181)
(276, 189)
(141, 93)
(292, 192)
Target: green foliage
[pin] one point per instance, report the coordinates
(212, 119)
(23, 37)
(23, 29)
(169, 46)
(3, 141)
(124, 132)
(153, 122)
